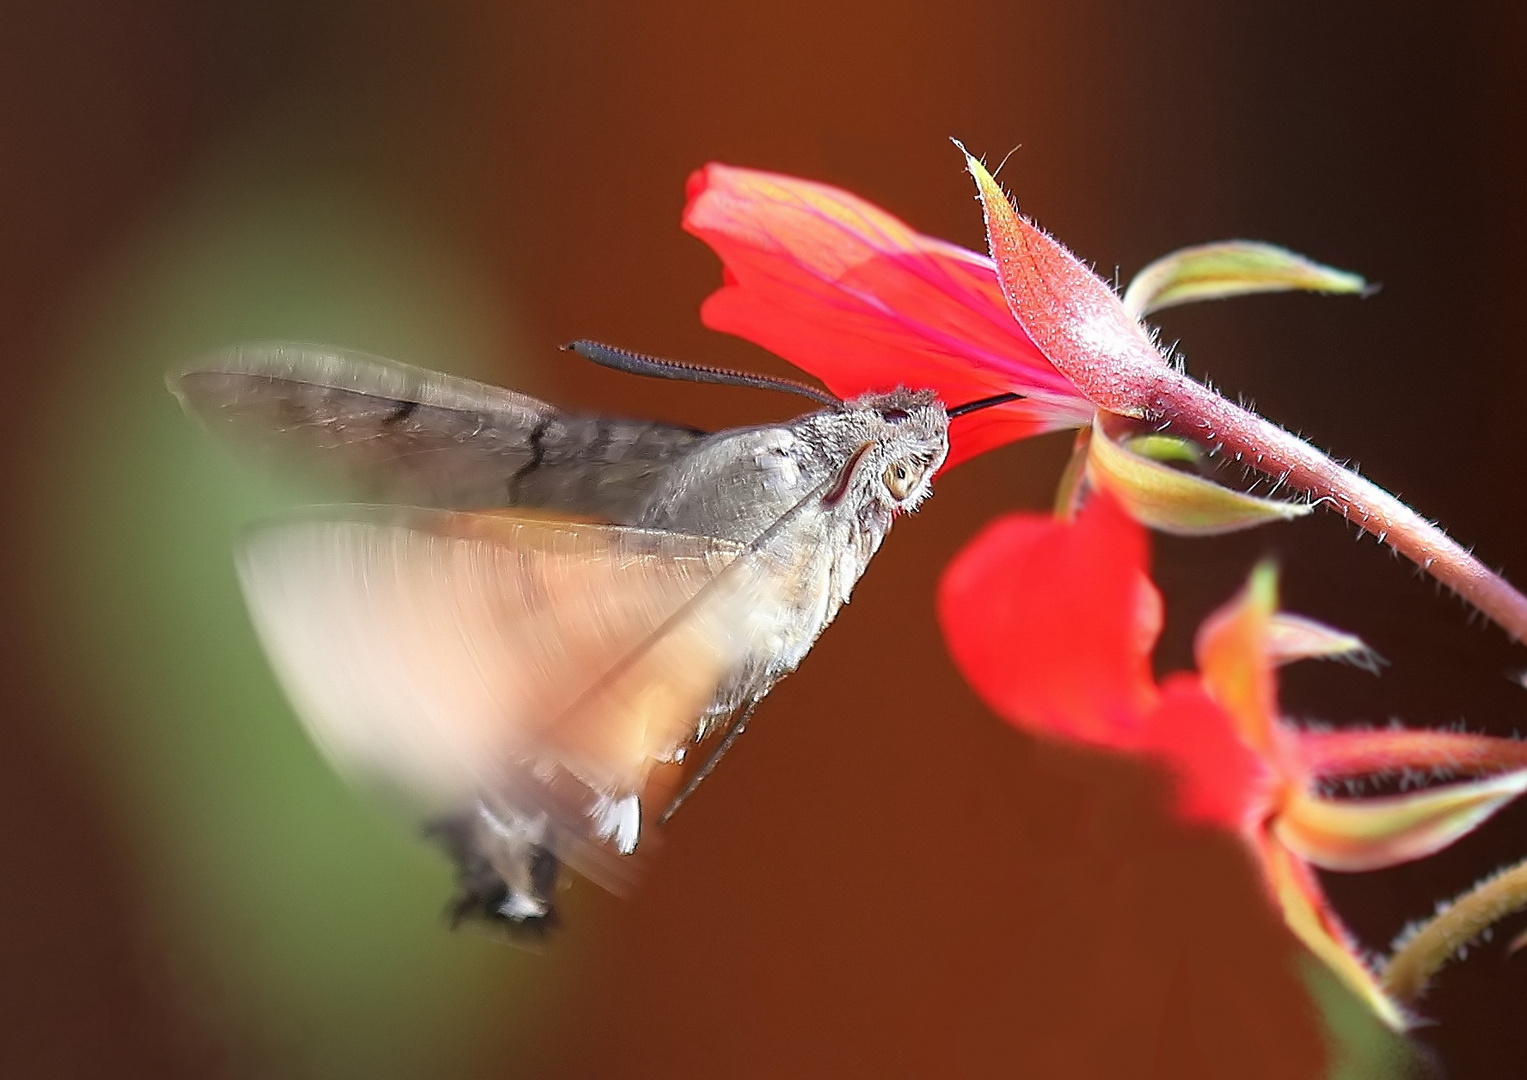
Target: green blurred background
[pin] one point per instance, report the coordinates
(883, 880)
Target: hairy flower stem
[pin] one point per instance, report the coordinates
(1194, 411)
(1435, 942)
(1081, 327)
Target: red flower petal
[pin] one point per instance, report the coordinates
(1053, 622)
(1220, 780)
(854, 296)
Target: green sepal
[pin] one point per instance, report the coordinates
(1174, 501)
(1165, 448)
(1231, 268)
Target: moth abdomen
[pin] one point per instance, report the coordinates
(507, 872)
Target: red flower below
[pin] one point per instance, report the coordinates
(1053, 623)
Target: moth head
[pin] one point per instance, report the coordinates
(905, 438)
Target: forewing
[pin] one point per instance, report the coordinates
(389, 432)
(457, 656)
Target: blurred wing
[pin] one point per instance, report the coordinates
(459, 656)
(394, 433)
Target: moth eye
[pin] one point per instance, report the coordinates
(899, 480)
(894, 416)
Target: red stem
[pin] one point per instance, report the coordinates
(1196, 412)
(1337, 754)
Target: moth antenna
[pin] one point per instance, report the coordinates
(640, 364)
(981, 403)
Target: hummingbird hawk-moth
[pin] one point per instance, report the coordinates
(536, 614)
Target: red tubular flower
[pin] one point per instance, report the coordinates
(856, 297)
(1053, 623)
(851, 294)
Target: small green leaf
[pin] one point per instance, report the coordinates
(1165, 448)
(1361, 1045)
(1231, 268)
(1173, 501)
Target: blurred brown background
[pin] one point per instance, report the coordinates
(882, 880)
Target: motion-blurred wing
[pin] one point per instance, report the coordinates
(394, 433)
(465, 656)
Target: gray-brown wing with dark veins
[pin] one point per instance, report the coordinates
(389, 432)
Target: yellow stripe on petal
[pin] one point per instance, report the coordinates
(1174, 501)
(1231, 268)
(1369, 834)
(1232, 654)
(1305, 912)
